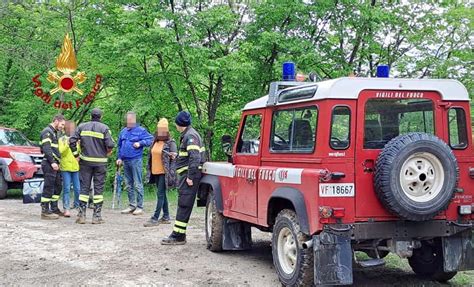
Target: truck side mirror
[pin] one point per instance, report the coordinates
(226, 142)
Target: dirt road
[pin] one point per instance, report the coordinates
(123, 252)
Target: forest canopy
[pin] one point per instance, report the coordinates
(212, 57)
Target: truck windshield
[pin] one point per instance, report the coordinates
(13, 138)
(389, 118)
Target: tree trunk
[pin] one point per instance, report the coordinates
(212, 115)
(168, 83)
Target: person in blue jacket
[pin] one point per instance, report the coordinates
(131, 141)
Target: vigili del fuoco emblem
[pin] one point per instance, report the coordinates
(66, 80)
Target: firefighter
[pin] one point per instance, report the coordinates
(188, 167)
(50, 167)
(96, 145)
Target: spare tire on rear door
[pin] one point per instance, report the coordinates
(416, 175)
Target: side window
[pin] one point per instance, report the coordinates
(340, 127)
(457, 128)
(294, 130)
(249, 140)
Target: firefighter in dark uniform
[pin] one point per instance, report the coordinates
(96, 145)
(191, 156)
(50, 166)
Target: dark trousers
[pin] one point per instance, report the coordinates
(162, 200)
(52, 183)
(186, 198)
(87, 174)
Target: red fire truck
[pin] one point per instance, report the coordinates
(20, 160)
(376, 165)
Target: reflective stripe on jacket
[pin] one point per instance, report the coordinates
(95, 140)
(68, 161)
(191, 153)
(49, 145)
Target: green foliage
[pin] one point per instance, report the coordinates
(158, 57)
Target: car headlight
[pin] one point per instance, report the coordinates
(19, 156)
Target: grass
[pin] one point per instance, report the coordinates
(149, 199)
(392, 261)
(149, 195)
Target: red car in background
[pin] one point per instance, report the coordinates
(20, 159)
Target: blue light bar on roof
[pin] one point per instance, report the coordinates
(383, 71)
(289, 71)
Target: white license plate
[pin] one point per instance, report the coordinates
(336, 190)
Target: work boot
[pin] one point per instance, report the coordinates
(97, 217)
(81, 215)
(174, 239)
(46, 213)
(55, 209)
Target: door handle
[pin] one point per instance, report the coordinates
(337, 175)
(250, 180)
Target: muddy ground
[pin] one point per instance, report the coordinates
(123, 252)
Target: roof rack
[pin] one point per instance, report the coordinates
(276, 87)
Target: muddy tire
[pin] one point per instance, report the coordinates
(427, 262)
(3, 186)
(294, 265)
(416, 176)
(214, 224)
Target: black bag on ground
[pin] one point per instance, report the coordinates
(32, 190)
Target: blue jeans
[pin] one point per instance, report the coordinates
(68, 178)
(133, 178)
(162, 200)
